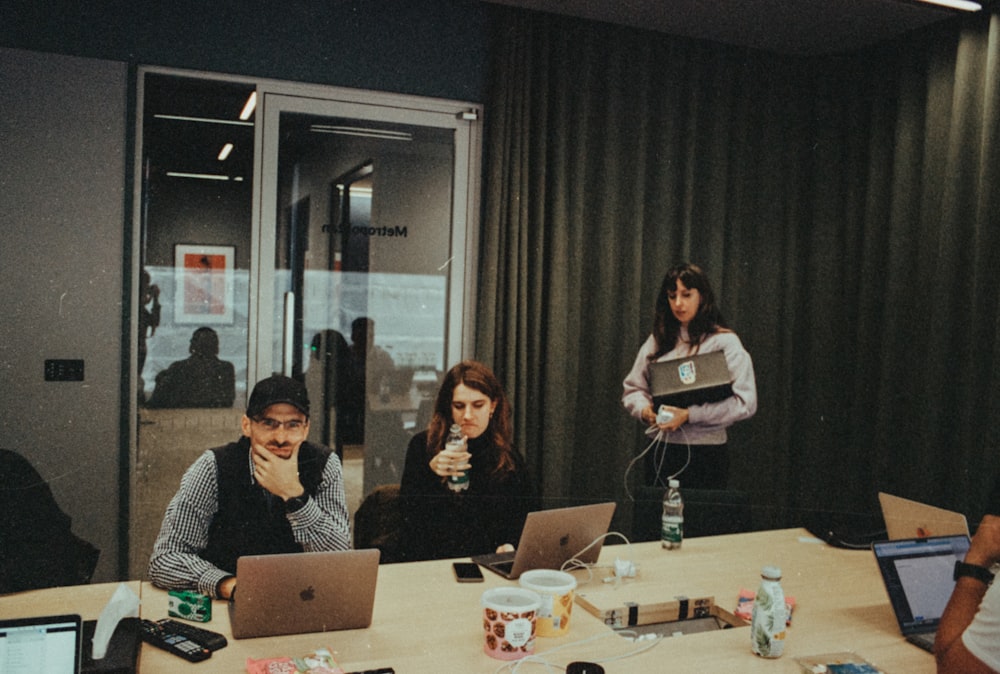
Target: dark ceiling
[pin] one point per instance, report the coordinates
(790, 27)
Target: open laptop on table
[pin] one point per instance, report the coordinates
(918, 573)
(912, 519)
(49, 644)
(551, 537)
(692, 380)
(303, 592)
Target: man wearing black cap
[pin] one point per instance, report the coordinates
(269, 492)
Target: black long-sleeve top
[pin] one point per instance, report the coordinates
(439, 523)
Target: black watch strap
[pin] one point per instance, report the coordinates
(296, 503)
(980, 573)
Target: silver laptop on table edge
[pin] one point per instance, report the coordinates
(551, 537)
(296, 593)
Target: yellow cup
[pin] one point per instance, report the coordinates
(555, 589)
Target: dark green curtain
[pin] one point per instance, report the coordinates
(845, 208)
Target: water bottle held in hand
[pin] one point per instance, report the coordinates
(456, 441)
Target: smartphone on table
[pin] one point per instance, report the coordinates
(467, 572)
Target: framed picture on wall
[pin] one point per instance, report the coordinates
(203, 287)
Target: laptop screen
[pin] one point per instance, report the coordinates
(45, 645)
(918, 578)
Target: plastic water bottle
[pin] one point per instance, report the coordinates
(672, 526)
(455, 440)
(768, 620)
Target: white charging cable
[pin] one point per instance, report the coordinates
(659, 444)
(623, 568)
(645, 641)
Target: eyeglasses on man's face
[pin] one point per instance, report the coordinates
(269, 424)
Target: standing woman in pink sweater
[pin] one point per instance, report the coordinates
(688, 322)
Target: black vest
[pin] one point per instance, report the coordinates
(250, 520)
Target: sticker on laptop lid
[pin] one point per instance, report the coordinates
(687, 372)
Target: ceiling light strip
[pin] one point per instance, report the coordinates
(206, 120)
(965, 5)
(363, 133)
(249, 106)
(198, 176)
(341, 127)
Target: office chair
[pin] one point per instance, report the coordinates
(378, 522)
(39, 548)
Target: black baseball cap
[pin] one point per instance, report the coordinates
(278, 389)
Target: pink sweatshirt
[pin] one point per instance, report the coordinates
(706, 423)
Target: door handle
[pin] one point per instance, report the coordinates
(288, 334)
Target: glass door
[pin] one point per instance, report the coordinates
(280, 227)
(364, 265)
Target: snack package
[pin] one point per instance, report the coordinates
(837, 663)
(319, 662)
(744, 605)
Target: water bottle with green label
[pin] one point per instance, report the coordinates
(456, 441)
(672, 525)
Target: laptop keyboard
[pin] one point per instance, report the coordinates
(498, 561)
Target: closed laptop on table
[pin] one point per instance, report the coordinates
(303, 592)
(919, 577)
(551, 537)
(692, 380)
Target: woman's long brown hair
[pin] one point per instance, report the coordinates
(476, 376)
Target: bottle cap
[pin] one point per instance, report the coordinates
(771, 573)
(674, 484)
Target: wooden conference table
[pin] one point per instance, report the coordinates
(426, 622)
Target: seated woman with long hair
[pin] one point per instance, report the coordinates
(440, 521)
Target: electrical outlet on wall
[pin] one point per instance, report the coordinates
(63, 370)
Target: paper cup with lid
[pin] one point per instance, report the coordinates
(555, 590)
(509, 619)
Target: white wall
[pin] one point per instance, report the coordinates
(62, 176)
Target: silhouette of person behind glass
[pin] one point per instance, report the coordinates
(149, 320)
(329, 375)
(200, 380)
(369, 364)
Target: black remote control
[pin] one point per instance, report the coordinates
(213, 641)
(178, 644)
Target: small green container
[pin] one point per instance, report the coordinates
(189, 605)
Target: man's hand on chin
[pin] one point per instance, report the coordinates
(277, 474)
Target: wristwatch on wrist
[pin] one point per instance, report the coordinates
(295, 503)
(980, 573)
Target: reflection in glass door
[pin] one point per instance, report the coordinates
(370, 208)
(193, 230)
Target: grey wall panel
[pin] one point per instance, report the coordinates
(62, 177)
